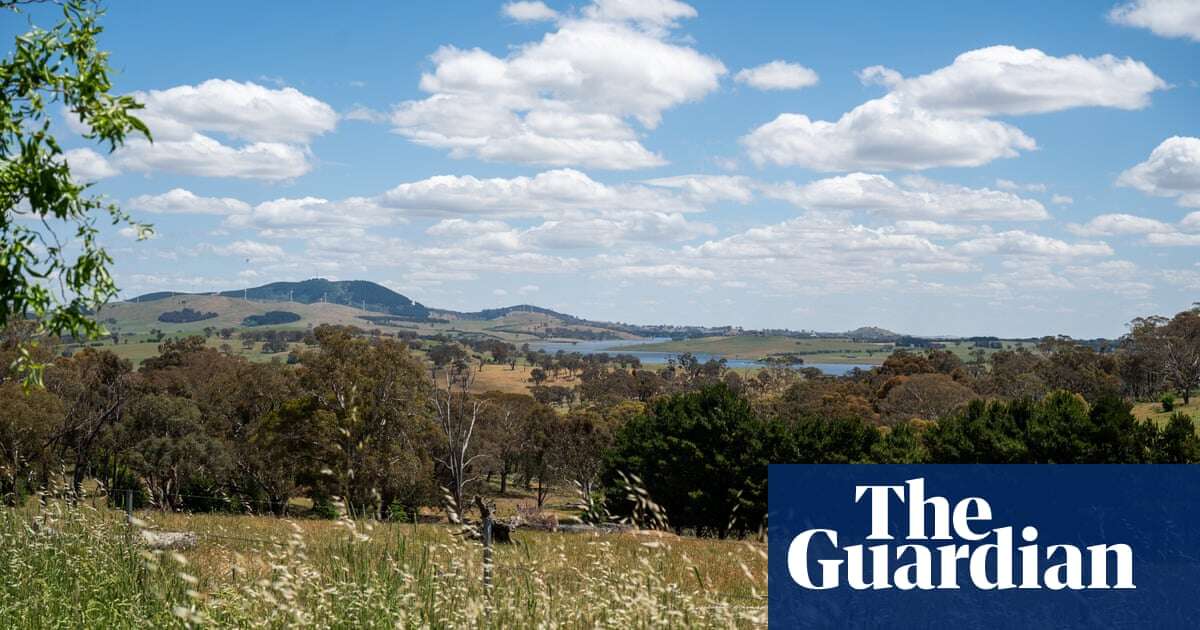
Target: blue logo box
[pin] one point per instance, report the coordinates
(984, 546)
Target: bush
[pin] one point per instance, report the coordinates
(703, 457)
(1168, 403)
(185, 316)
(271, 318)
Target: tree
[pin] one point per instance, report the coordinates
(927, 396)
(372, 395)
(502, 433)
(701, 454)
(59, 284)
(457, 413)
(168, 449)
(94, 387)
(578, 449)
(1181, 346)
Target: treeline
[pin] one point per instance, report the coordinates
(185, 315)
(363, 423)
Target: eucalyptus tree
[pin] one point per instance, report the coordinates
(52, 265)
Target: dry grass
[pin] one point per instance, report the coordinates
(1153, 410)
(79, 570)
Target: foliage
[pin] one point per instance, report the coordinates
(702, 454)
(271, 318)
(59, 283)
(185, 316)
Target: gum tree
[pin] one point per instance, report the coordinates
(53, 268)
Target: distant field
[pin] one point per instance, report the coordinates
(753, 347)
(1153, 411)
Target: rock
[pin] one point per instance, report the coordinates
(169, 540)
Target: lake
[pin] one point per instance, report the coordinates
(614, 346)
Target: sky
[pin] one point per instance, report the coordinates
(1011, 169)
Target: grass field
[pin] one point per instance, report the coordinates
(1153, 410)
(76, 567)
(753, 347)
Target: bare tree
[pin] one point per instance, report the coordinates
(457, 412)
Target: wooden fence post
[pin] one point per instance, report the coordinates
(486, 515)
(128, 506)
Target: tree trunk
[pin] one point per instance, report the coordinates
(503, 482)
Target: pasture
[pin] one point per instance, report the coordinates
(81, 566)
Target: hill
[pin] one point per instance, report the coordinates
(362, 294)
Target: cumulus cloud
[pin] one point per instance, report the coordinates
(1172, 170)
(668, 272)
(180, 201)
(547, 194)
(88, 165)
(308, 217)
(710, 188)
(1166, 18)
(568, 99)
(1022, 243)
(778, 75)
(912, 197)
(1004, 80)
(251, 250)
(529, 11)
(1062, 200)
(884, 134)
(1008, 184)
(275, 126)
(943, 118)
(1119, 224)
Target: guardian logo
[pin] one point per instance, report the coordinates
(987, 557)
(1017, 546)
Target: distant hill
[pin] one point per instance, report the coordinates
(357, 293)
(872, 333)
(489, 314)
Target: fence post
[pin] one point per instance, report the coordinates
(486, 514)
(128, 506)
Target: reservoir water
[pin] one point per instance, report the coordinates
(615, 346)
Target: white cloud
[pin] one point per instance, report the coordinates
(710, 188)
(1008, 184)
(529, 11)
(778, 75)
(1062, 200)
(941, 118)
(650, 15)
(567, 99)
(1166, 18)
(1174, 239)
(933, 229)
(1191, 222)
(669, 271)
(245, 111)
(180, 201)
(275, 124)
(88, 165)
(1022, 243)
(884, 134)
(529, 289)
(1172, 170)
(547, 194)
(1119, 224)
(913, 197)
(203, 156)
(251, 250)
(1003, 80)
(309, 217)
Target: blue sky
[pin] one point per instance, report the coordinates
(1018, 168)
